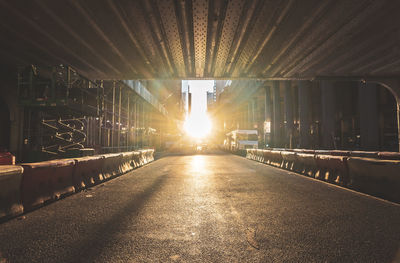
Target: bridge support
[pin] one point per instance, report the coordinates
(288, 99)
(304, 113)
(268, 117)
(277, 129)
(369, 130)
(328, 114)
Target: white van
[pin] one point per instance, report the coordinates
(243, 139)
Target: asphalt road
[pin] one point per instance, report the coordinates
(207, 208)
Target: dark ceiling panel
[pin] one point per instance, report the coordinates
(173, 39)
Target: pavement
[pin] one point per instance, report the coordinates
(207, 208)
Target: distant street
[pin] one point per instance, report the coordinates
(207, 208)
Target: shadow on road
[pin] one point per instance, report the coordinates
(102, 236)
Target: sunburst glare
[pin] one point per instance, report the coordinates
(198, 125)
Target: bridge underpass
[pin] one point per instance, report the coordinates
(88, 87)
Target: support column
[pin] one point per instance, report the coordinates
(143, 124)
(139, 112)
(288, 115)
(245, 116)
(253, 119)
(328, 114)
(128, 124)
(88, 130)
(277, 120)
(113, 118)
(119, 118)
(249, 115)
(268, 117)
(100, 111)
(137, 122)
(369, 120)
(398, 120)
(304, 113)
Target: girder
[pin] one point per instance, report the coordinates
(173, 39)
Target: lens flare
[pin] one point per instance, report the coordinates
(198, 126)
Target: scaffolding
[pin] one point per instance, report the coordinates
(68, 115)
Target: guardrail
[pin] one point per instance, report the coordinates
(375, 173)
(28, 186)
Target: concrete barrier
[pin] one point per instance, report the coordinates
(306, 164)
(332, 169)
(323, 152)
(389, 155)
(259, 155)
(376, 177)
(127, 162)
(46, 181)
(112, 165)
(146, 156)
(10, 191)
(364, 154)
(279, 149)
(273, 158)
(136, 159)
(150, 154)
(255, 154)
(31, 185)
(142, 160)
(333, 152)
(288, 160)
(248, 154)
(340, 153)
(62, 179)
(88, 171)
(252, 154)
(266, 156)
(309, 151)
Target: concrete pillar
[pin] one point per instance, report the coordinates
(136, 123)
(277, 121)
(245, 116)
(268, 115)
(288, 102)
(369, 120)
(5, 125)
(128, 123)
(119, 118)
(328, 114)
(398, 121)
(253, 111)
(249, 114)
(304, 113)
(113, 117)
(102, 116)
(143, 125)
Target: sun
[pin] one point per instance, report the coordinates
(198, 125)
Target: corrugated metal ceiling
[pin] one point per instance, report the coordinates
(172, 39)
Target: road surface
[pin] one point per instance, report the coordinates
(207, 208)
